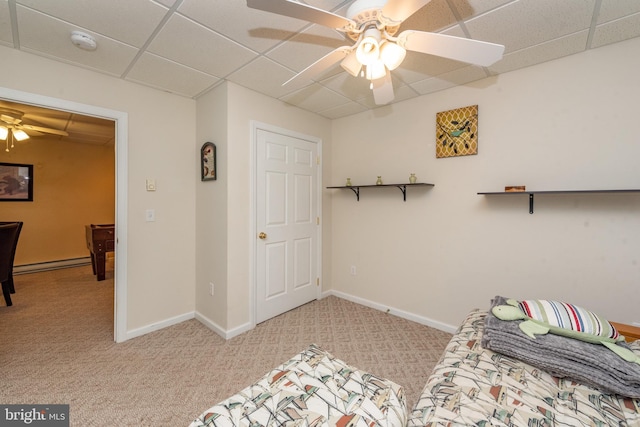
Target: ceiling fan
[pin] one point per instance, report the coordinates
(373, 25)
(12, 128)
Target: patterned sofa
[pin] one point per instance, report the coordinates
(470, 386)
(474, 386)
(312, 389)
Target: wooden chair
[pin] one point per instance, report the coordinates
(9, 233)
(12, 288)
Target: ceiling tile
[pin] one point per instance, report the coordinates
(128, 21)
(343, 110)
(6, 37)
(457, 77)
(184, 41)
(110, 57)
(610, 10)
(167, 3)
(544, 52)
(351, 87)
(435, 16)
(464, 75)
(618, 30)
(528, 22)
(307, 47)
(260, 30)
(158, 72)
(419, 66)
(330, 5)
(404, 92)
(315, 98)
(469, 8)
(265, 76)
(400, 93)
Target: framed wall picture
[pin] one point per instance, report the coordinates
(16, 182)
(457, 132)
(208, 162)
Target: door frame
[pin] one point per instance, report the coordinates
(121, 131)
(255, 127)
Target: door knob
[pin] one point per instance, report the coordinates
(262, 235)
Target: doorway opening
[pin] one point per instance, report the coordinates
(120, 123)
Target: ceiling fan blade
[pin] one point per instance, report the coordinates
(302, 11)
(383, 89)
(9, 119)
(321, 64)
(43, 130)
(397, 11)
(458, 48)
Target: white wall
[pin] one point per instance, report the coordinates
(211, 214)
(566, 124)
(161, 135)
(229, 310)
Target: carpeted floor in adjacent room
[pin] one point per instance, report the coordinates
(57, 347)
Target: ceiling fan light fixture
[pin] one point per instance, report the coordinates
(351, 64)
(392, 55)
(368, 50)
(376, 71)
(4, 132)
(20, 135)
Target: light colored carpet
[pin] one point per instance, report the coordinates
(57, 347)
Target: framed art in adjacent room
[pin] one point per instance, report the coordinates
(208, 162)
(16, 182)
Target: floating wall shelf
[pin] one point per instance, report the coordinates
(402, 187)
(531, 193)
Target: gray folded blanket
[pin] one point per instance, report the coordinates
(591, 364)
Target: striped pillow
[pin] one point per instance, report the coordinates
(568, 316)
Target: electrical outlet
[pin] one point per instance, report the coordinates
(353, 270)
(211, 288)
(150, 215)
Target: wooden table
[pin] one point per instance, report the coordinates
(100, 240)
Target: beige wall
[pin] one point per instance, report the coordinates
(566, 124)
(160, 260)
(74, 185)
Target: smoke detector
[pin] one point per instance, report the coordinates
(83, 40)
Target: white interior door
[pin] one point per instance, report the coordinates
(286, 223)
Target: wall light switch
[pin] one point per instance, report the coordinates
(151, 185)
(150, 215)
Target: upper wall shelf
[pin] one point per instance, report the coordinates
(402, 187)
(531, 193)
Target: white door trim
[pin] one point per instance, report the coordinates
(121, 119)
(255, 126)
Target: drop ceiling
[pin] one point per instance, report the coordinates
(188, 47)
(80, 128)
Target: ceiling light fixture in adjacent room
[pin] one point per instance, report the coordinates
(11, 134)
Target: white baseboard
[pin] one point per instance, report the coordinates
(220, 330)
(228, 334)
(396, 312)
(138, 332)
(51, 265)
